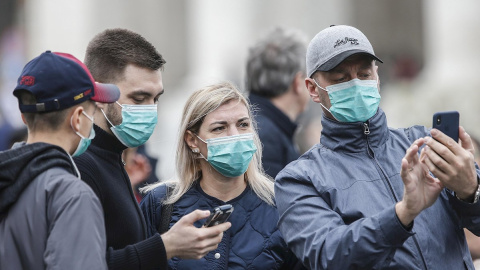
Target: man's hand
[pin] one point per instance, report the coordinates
(421, 190)
(452, 163)
(186, 241)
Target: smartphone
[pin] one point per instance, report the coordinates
(448, 123)
(219, 215)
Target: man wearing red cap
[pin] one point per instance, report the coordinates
(49, 218)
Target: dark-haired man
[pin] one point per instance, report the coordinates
(275, 80)
(128, 60)
(49, 218)
(366, 197)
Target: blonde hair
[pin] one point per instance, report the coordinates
(201, 103)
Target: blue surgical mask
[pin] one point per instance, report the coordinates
(230, 155)
(353, 101)
(138, 123)
(84, 142)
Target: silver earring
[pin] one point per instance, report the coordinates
(195, 150)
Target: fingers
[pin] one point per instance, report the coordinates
(442, 139)
(410, 161)
(444, 157)
(405, 170)
(217, 229)
(465, 140)
(194, 216)
(434, 162)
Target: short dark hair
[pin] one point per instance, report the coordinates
(44, 121)
(274, 61)
(110, 51)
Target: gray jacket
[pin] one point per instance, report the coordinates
(336, 205)
(49, 218)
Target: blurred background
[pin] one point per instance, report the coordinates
(429, 49)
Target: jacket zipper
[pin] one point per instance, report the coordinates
(366, 131)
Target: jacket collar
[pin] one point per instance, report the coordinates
(351, 137)
(107, 141)
(267, 109)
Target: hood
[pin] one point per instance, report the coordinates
(20, 165)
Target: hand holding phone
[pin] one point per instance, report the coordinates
(219, 215)
(448, 123)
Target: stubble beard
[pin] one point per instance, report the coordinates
(113, 112)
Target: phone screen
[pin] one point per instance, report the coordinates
(448, 123)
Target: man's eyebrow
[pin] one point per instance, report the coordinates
(140, 93)
(336, 70)
(366, 65)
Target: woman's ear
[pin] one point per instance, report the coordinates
(190, 139)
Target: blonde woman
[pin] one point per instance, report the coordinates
(219, 162)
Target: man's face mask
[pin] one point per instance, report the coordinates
(84, 141)
(353, 101)
(230, 155)
(138, 123)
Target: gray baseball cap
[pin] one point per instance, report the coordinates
(333, 44)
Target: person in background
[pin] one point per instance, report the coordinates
(49, 218)
(218, 162)
(138, 169)
(275, 80)
(369, 196)
(128, 60)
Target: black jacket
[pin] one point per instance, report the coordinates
(102, 169)
(276, 132)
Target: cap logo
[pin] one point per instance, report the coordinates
(27, 80)
(341, 42)
(81, 95)
(77, 97)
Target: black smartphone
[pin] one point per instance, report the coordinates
(448, 123)
(219, 215)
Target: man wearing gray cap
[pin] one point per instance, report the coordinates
(363, 198)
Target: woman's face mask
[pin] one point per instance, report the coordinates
(230, 155)
(353, 101)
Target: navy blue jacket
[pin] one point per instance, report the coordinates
(253, 241)
(336, 204)
(276, 132)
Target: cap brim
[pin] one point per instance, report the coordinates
(337, 59)
(106, 93)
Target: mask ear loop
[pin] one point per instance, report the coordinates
(106, 118)
(106, 115)
(205, 143)
(324, 89)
